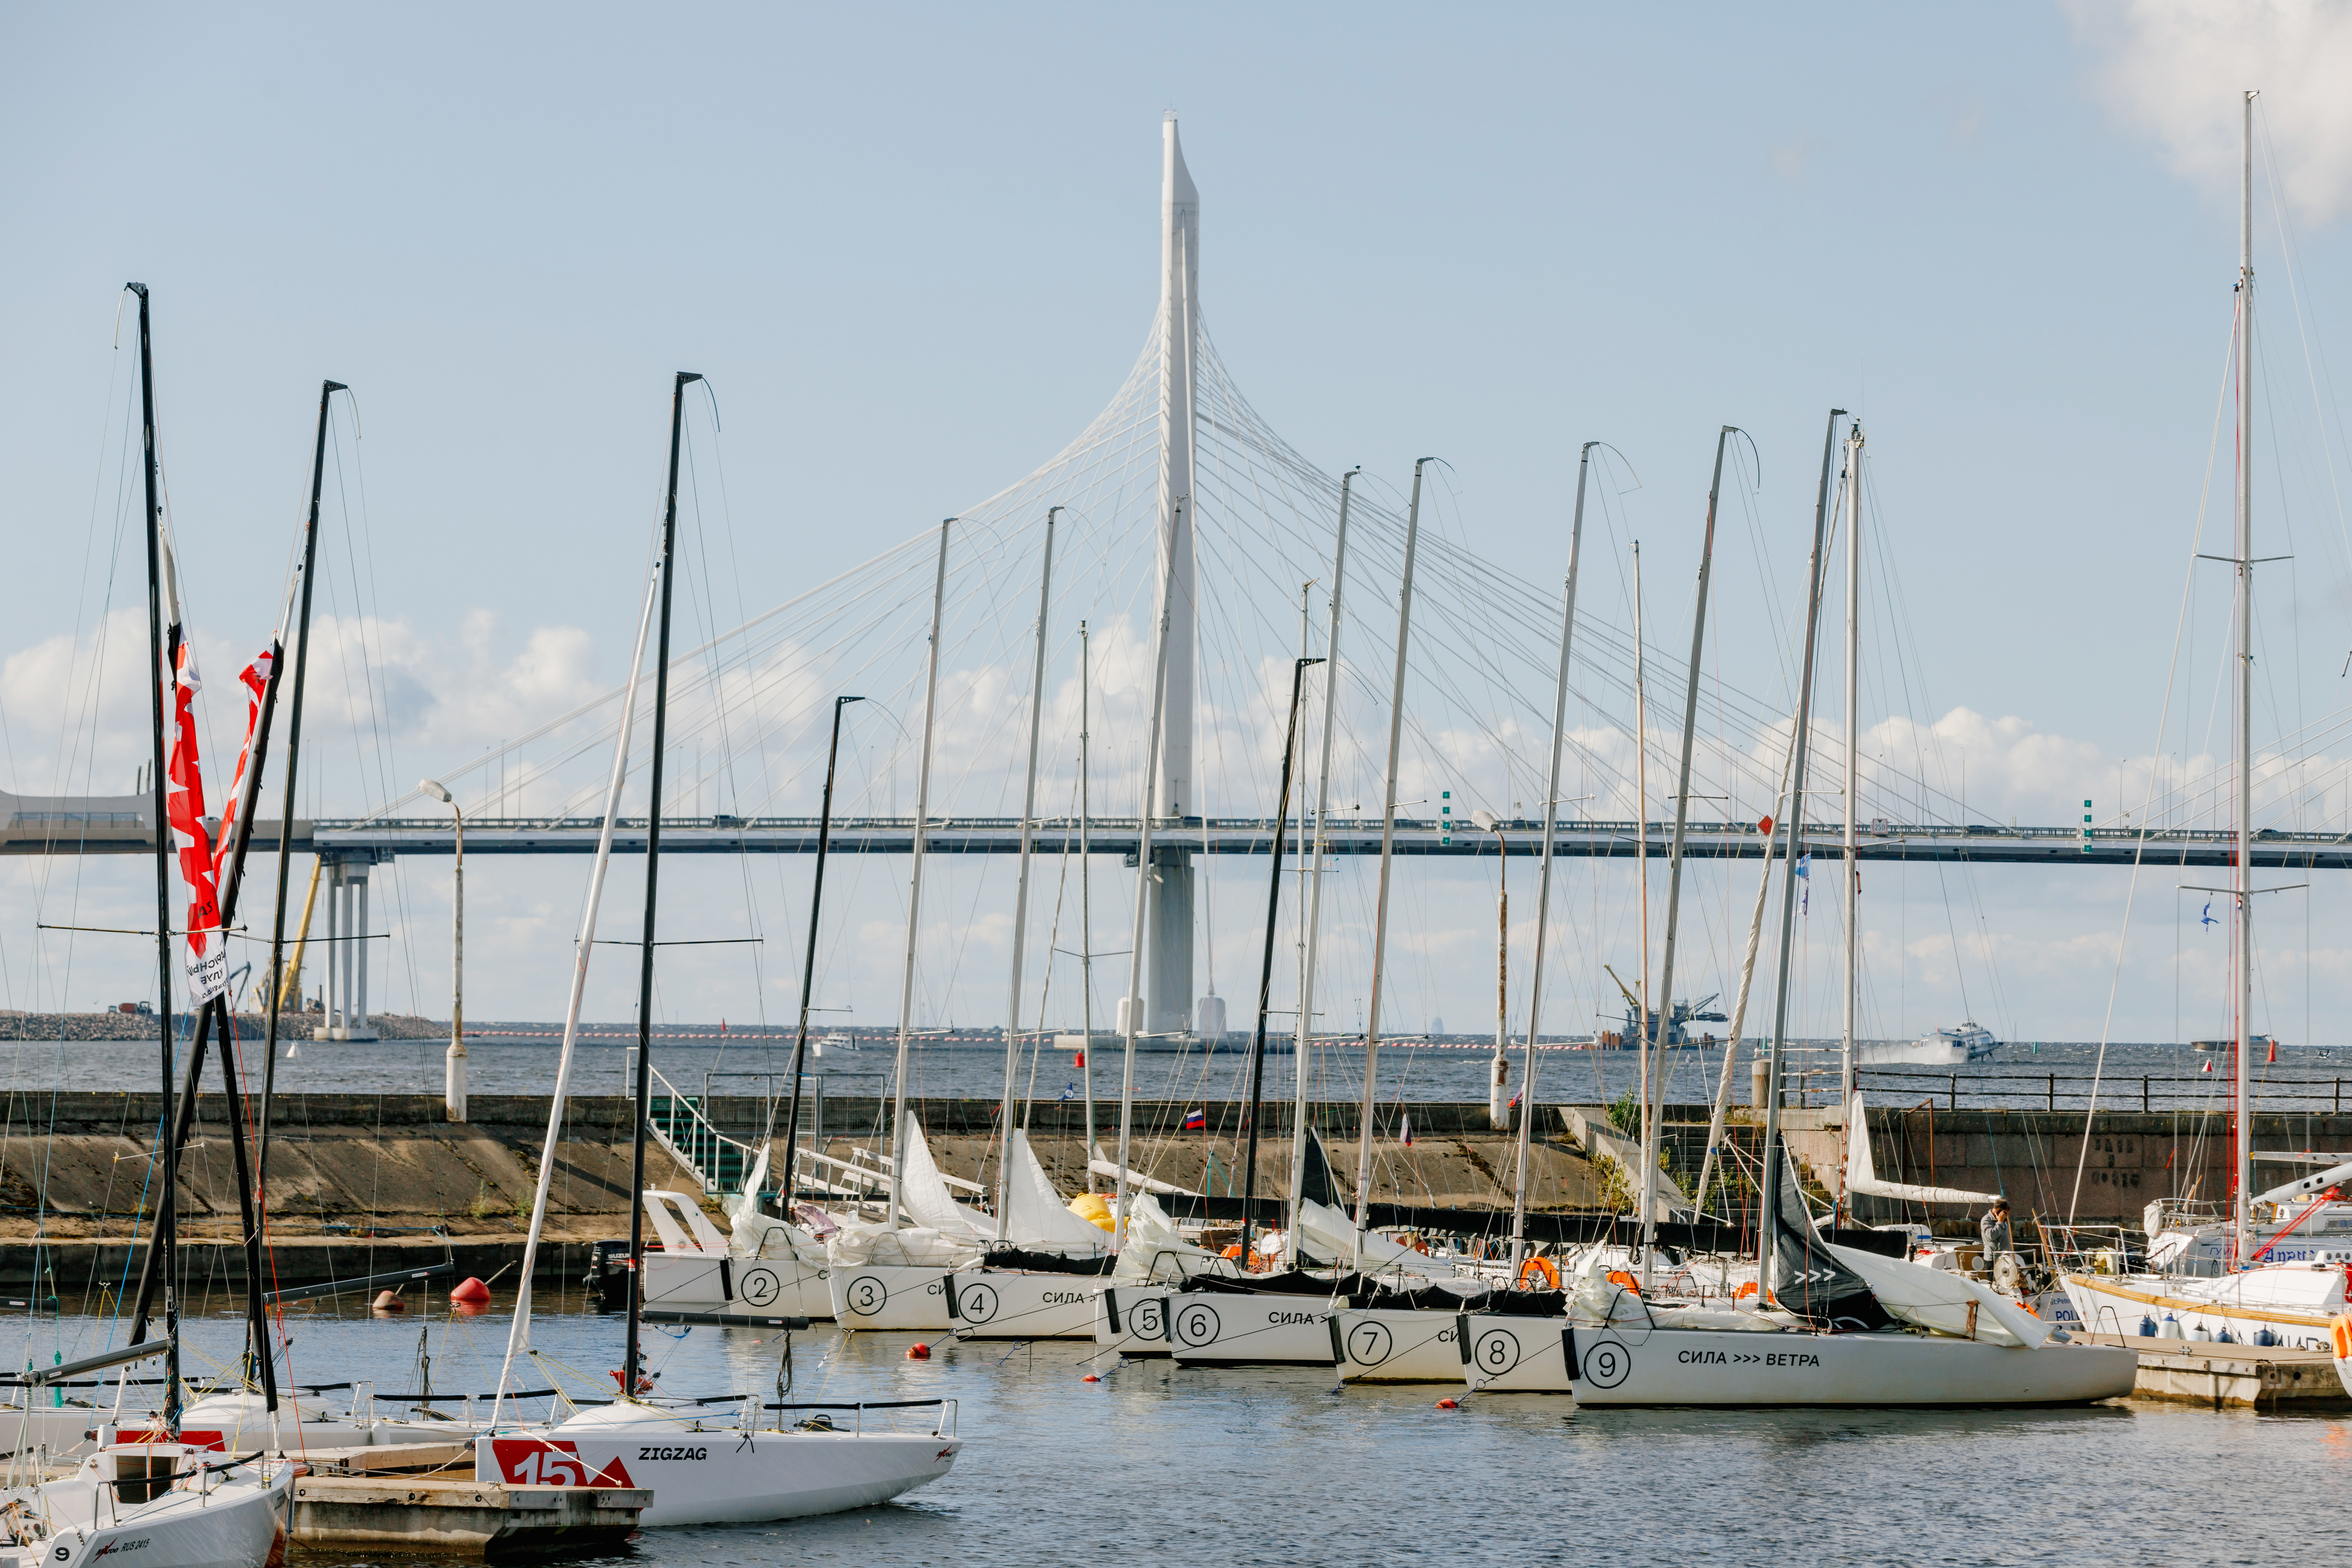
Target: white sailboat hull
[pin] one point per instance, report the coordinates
(1398, 1345)
(725, 1476)
(701, 1282)
(238, 1521)
(1131, 1320)
(1003, 1304)
(889, 1296)
(1623, 1366)
(1514, 1355)
(1220, 1330)
(2118, 1306)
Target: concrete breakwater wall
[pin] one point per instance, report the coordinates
(365, 1183)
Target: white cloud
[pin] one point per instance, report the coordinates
(2174, 70)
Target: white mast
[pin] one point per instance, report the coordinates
(2244, 980)
(1642, 849)
(1652, 1134)
(1847, 1058)
(915, 892)
(1131, 1011)
(1498, 1077)
(1170, 1003)
(519, 1334)
(1085, 908)
(1020, 888)
(1387, 854)
(1314, 901)
(1543, 878)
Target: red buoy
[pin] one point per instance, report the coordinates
(918, 1352)
(1449, 1405)
(1090, 1377)
(472, 1293)
(390, 1301)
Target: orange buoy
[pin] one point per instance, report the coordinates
(1618, 1276)
(472, 1293)
(1090, 1377)
(390, 1301)
(1449, 1405)
(918, 1352)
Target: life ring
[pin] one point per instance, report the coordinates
(1544, 1267)
(2343, 1332)
(1744, 1291)
(1618, 1276)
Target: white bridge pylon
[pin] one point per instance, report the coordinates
(1251, 548)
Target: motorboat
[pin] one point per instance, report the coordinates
(1958, 1047)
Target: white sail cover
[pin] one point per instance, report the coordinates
(1861, 1178)
(1331, 1234)
(926, 1199)
(1939, 1298)
(1036, 1215)
(1153, 1250)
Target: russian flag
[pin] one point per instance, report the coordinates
(1196, 1122)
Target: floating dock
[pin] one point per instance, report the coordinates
(423, 1497)
(2219, 1377)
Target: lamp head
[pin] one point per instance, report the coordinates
(435, 788)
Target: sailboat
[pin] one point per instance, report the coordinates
(2257, 1294)
(158, 1493)
(704, 1465)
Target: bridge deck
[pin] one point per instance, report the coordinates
(362, 840)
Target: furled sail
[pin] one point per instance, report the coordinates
(1861, 1178)
(1036, 1215)
(1808, 1277)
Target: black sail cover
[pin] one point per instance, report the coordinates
(1806, 1279)
(1318, 1186)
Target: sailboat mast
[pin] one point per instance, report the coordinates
(915, 890)
(1266, 966)
(1498, 1074)
(808, 966)
(1642, 846)
(1085, 905)
(1131, 1008)
(519, 1331)
(162, 1248)
(1769, 1197)
(1020, 888)
(1651, 1133)
(1312, 862)
(1387, 855)
(665, 569)
(1543, 877)
(2244, 980)
(1847, 1060)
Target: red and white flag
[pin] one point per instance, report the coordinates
(184, 805)
(255, 681)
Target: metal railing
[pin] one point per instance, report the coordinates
(1898, 1090)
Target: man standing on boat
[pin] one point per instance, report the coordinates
(1993, 1230)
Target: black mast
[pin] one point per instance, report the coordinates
(293, 752)
(808, 966)
(653, 868)
(159, 1259)
(1266, 968)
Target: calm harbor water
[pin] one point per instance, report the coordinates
(2017, 1075)
(1160, 1466)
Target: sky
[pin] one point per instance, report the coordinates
(915, 249)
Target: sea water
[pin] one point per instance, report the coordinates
(1158, 1465)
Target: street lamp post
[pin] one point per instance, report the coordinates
(453, 1086)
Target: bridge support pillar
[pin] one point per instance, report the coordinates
(1170, 981)
(346, 1017)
